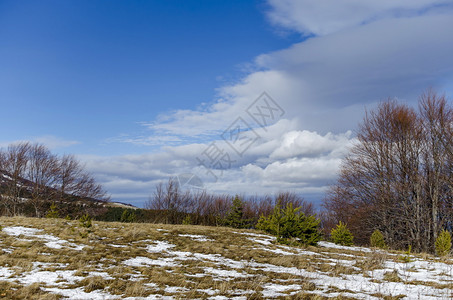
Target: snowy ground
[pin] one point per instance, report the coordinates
(139, 261)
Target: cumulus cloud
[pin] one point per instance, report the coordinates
(305, 143)
(281, 159)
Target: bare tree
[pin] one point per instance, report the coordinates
(438, 160)
(285, 198)
(41, 172)
(170, 199)
(33, 174)
(397, 178)
(69, 171)
(72, 179)
(13, 163)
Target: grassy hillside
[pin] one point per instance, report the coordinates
(55, 258)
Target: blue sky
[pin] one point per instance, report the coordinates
(139, 89)
(89, 70)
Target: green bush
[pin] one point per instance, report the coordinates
(85, 221)
(377, 240)
(128, 216)
(341, 235)
(289, 225)
(187, 220)
(443, 243)
(272, 223)
(406, 258)
(53, 211)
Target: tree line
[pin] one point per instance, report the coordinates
(31, 175)
(203, 208)
(398, 176)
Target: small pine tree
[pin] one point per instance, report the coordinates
(128, 216)
(377, 240)
(85, 221)
(273, 223)
(406, 258)
(443, 243)
(187, 220)
(341, 235)
(289, 224)
(132, 217)
(235, 216)
(53, 211)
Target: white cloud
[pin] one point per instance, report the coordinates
(301, 171)
(297, 160)
(323, 17)
(306, 143)
(362, 52)
(52, 142)
(326, 82)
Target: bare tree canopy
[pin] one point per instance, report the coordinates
(13, 163)
(31, 173)
(398, 177)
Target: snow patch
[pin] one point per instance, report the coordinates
(275, 290)
(197, 237)
(335, 246)
(160, 246)
(230, 274)
(79, 293)
(51, 241)
(141, 261)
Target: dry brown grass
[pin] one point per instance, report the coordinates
(94, 283)
(109, 245)
(372, 262)
(136, 289)
(392, 276)
(33, 292)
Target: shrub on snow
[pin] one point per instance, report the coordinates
(443, 243)
(341, 235)
(377, 240)
(290, 225)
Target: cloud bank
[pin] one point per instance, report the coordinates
(353, 54)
